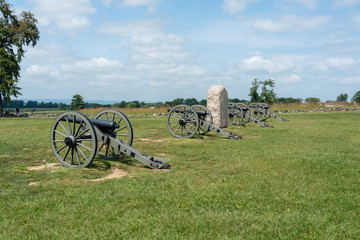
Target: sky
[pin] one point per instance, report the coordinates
(159, 50)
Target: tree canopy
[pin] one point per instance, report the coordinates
(77, 102)
(312, 100)
(15, 33)
(356, 97)
(342, 97)
(267, 95)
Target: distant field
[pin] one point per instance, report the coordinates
(278, 107)
(298, 180)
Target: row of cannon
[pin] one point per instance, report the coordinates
(240, 114)
(76, 139)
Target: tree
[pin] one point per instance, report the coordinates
(191, 101)
(15, 33)
(267, 95)
(77, 102)
(131, 105)
(356, 97)
(254, 95)
(203, 102)
(31, 104)
(177, 101)
(312, 100)
(290, 100)
(342, 97)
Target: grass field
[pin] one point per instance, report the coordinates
(298, 180)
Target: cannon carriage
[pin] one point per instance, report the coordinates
(240, 114)
(265, 112)
(76, 139)
(184, 122)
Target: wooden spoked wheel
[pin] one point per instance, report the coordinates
(182, 121)
(207, 118)
(246, 113)
(124, 132)
(257, 111)
(236, 114)
(267, 111)
(73, 140)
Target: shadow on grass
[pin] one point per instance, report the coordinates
(103, 163)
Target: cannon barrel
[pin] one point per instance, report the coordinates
(243, 108)
(201, 113)
(100, 123)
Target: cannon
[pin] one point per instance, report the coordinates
(76, 139)
(265, 112)
(184, 122)
(240, 114)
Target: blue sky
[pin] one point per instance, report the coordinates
(158, 50)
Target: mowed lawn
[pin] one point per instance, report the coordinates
(298, 180)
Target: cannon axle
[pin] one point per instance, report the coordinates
(70, 141)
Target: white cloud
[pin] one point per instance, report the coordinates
(293, 78)
(164, 47)
(290, 23)
(36, 70)
(52, 53)
(259, 64)
(351, 80)
(339, 62)
(309, 4)
(148, 41)
(94, 65)
(166, 69)
(106, 3)
(150, 4)
(154, 52)
(271, 26)
(67, 15)
(335, 63)
(135, 28)
(345, 3)
(356, 19)
(158, 83)
(233, 7)
(138, 3)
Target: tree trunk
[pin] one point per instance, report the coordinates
(1, 106)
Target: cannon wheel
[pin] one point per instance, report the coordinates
(124, 132)
(73, 143)
(236, 114)
(257, 111)
(267, 111)
(246, 115)
(182, 121)
(208, 118)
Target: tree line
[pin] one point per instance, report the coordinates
(267, 96)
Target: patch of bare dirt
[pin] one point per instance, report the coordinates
(151, 140)
(47, 165)
(117, 173)
(160, 154)
(32, 183)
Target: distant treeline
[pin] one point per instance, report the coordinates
(34, 104)
(131, 104)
